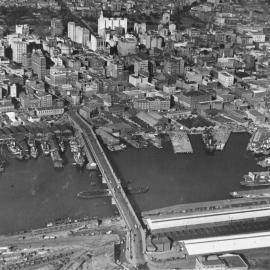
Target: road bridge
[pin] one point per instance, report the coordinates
(136, 234)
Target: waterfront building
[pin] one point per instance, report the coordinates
(39, 64)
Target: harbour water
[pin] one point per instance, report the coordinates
(33, 193)
(184, 178)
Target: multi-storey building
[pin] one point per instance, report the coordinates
(18, 48)
(39, 64)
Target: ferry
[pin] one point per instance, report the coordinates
(264, 163)
(45, 147)
(57, 160)
(256, 179)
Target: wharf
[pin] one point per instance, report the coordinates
(180, 142)
(221, 135)
(91, 165)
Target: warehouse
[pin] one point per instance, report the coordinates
(223, 244)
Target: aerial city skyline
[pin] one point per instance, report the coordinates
(134, 134)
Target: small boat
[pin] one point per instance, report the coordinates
(114, 148)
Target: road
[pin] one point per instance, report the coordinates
(137, 234)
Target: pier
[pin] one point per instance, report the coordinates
(180, 142)
(221, 135)
(135, 247)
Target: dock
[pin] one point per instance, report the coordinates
(91, 164)
(221, 135)
(180, 142)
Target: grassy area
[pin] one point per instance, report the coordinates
(39, 20)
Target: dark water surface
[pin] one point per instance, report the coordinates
(33, 193)
(184, 178)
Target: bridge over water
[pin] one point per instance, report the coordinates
(135, 246)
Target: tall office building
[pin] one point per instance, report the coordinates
(71, 30)
(18, 48)
(78, 34)
(56, 27)
(86, 37)
(39, 64)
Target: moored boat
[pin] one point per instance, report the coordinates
(256, 179)
(93, 194)
(264, 163)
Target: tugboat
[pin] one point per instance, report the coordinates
(256, 179)
(45, 147)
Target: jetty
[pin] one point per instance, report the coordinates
(221, 135)
(180, 142)
(91, 165)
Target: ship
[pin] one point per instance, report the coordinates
(25, 150)
(209, 141)
(256, 179)
(45, 147)
(99, 193)
(74, 146)
(136, 190)
(79, 158)
(57, 160)
(264, 163)
(258, 195)
(15, 149)
(114, 148)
